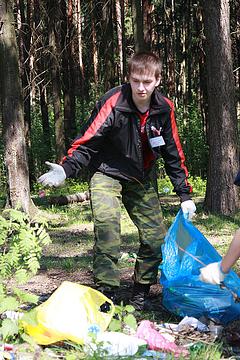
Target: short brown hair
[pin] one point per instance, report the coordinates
(143, 62)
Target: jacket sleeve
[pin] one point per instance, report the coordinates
(174, 157)
(92, 135)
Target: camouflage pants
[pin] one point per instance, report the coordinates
(142, 204)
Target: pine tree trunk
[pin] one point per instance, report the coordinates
(40, 69)
(221, 195)
(24, 40)
(119, 39)
(147, 23)
(54, 44)
(78, 24)
(137, 14)
(67, 69)
(13, 115)
(94, 45)
(107, 43)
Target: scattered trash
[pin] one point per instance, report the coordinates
(13, 315)
(191, 321)
(115, 344)
(216, 330)
(147, 331)
(7, 352)
(42, 193)
(68, 314)
(185, 251)
(154, 354)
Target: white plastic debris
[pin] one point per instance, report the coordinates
(193, 322)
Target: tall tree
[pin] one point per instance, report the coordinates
(94, 45)
(221, 195)
(13, 115)
(41, 62)
(78, 25)
(147, 22)
(107, 43)
(119, 38)
(137, 12)
(55, 49)
(67, 70)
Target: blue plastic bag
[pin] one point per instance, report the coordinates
(185, 251)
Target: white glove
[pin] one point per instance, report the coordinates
(54, 177)
(212, 273)
(188, 208)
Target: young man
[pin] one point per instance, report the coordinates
(130, 127)
(216, 272)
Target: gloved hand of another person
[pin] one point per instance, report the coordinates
(212, 273)
(188, 208)
(54, 177)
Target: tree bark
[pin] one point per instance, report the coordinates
(147, 22)
(119, 39)
(54, 44)
(221, 194)
(66, 199)
(67, 70)
(94, 45)
(137, 14)
(18, 194)
(78, 24)
(107, 43)
(40, 65)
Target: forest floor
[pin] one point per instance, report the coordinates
(69, 258)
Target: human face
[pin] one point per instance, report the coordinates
(142, 86)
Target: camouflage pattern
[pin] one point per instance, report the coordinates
(142, 204)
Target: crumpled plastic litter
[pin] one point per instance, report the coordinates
(13, 315)
(68, 313)
(147, 331)
(156, 355)
(114, 343)
(193, 322)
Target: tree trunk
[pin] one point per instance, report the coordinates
(108, 49)
(40, 65)
(119, 39)
(67, 69)
(80, 50)
(54, 44)
(137, 14)
(24, 39)
(147, 23)
(221, 195)
(94, 45)
(13, 115)
(65, 199)
(124, 65)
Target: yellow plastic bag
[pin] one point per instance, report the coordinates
(68, 313)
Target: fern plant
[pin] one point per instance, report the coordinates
(21, 242)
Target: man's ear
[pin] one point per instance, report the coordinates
(158, 81)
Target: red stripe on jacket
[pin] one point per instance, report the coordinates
(96, 124)
(177, 141)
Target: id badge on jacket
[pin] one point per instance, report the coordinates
(158, 140)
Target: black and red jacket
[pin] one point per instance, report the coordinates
(110, 141)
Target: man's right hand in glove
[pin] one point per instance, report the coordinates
(54, 177)
(212, 273)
